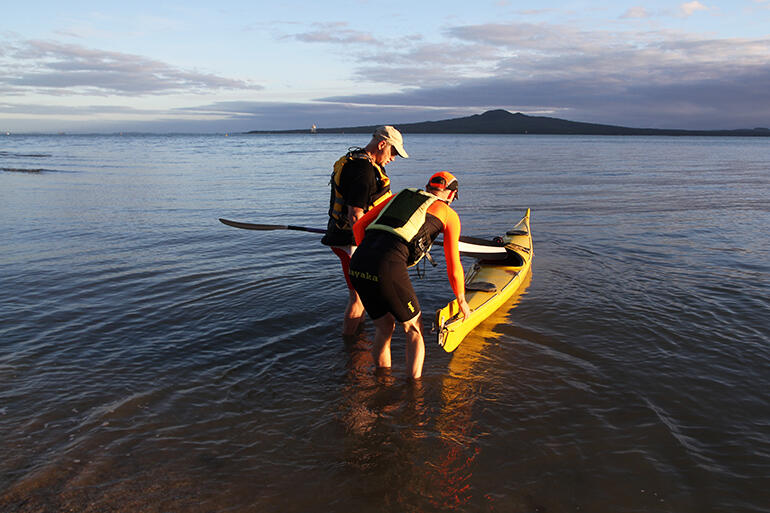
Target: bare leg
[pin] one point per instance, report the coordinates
(415, 346)
(384, 327)
(354, 311)
(354, 314)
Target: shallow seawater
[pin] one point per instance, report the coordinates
(154, 359)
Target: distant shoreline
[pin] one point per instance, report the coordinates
(502, 122)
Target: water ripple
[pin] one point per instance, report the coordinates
(155, 360)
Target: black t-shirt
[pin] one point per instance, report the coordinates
(358, 182)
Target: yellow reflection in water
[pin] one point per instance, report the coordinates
(453, 466)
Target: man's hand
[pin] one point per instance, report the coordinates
(354, 214)
(464, 308)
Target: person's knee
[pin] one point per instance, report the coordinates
(386, 324)
(388, 328)
(413, 327)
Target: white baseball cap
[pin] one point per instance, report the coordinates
(393, 136)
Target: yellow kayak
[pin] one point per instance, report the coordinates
(488, 285)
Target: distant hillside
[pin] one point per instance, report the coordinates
(503, 122)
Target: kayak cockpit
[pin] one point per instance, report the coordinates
(511, 259)
(481, 286)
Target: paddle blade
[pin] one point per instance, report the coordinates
(252, 226)
(268, 227)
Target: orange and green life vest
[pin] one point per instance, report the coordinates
(405, 217)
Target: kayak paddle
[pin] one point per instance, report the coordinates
(469, 246)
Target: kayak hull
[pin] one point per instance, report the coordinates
(488, 285)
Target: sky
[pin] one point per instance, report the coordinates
(209, 67)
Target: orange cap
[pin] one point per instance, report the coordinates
(443, 180)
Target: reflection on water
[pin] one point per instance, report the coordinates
(384, 418)
(414, 444)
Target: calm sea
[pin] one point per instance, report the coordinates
(155, 360)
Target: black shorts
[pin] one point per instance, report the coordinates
(382, 281)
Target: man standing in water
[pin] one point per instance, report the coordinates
(359, 183)
(393, 236)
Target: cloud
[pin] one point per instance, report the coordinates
(68, 110)
(658, 78)
(336, 33)
(546, 52)
(225, 116)
(637, 12)
(542, 37)
(663, 79)
(690, 8)
(760, 5)
(688, 104)
(251, 115)
(67, 69)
